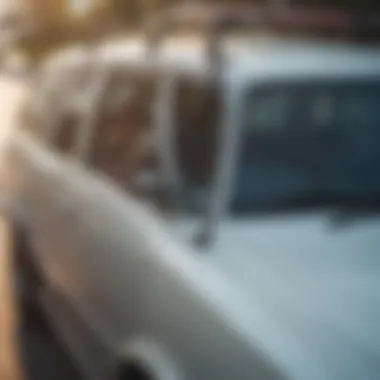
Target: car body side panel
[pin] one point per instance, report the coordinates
(111, 256)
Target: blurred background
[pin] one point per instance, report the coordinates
(60, 22)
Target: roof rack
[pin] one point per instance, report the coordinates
(218, 20)
(279, 18)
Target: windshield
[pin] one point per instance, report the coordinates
(308, 144)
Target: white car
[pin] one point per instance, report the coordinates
(263, 264)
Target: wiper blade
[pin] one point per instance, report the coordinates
(341, 202)
(356, 207)
(337, 199)
(345, 207)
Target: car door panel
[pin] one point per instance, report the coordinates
(50, 210)
(147, 285)
(116, 261)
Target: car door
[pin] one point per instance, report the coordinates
(146, 285)
(108, 184)
(52, 189)
(87, 219)
(42, 172)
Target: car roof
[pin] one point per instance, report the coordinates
(306, 59)
(243, 59)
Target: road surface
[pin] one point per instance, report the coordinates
(27, 351)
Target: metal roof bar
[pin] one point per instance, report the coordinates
(217, 20)
(299, 18)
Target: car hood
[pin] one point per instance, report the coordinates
(312, 291)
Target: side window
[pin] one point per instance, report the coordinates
(197, 116)
(126, 117)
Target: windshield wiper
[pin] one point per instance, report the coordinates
(342, 203)
(345, 201)
(354, 207)
(345, 208)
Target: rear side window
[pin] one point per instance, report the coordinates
(197, 111)
(196, 117)
(124, 123)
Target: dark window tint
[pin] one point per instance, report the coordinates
(326, 139)
(273, 118)
(197, 115)
(273, 111)
(359, 111)
(125, 119)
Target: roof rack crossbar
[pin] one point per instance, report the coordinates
(218, 20)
